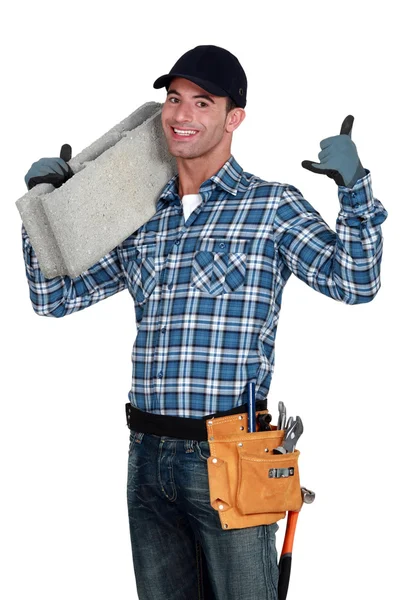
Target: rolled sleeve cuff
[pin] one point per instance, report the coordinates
(358, 199)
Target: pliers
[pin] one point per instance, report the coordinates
(294, 429)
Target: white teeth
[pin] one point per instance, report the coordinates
(184, 131)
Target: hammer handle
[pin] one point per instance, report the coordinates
(285, 562)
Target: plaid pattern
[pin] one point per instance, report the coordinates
(208, 291)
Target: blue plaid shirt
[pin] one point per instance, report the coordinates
(208, 291)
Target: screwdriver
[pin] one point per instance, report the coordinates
(251, 387)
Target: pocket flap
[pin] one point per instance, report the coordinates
(221, 245)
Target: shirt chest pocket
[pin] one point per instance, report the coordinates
(219, 265)
(139, 263)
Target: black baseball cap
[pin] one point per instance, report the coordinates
(212, 68)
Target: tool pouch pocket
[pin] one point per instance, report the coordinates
(249, 484)
(219, 483)
(268, 483)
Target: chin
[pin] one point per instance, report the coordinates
(184, 153)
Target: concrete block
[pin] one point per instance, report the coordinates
(114, 191)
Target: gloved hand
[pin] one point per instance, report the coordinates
(339, 158)
(51, 170)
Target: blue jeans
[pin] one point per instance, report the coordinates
(179, 549)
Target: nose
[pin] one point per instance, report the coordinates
(183, 113)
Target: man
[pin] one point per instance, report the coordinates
(207, 273)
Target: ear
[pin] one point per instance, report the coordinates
(234, 118)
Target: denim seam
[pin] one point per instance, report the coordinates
(267, 558)
(171, 471)
(199, 564)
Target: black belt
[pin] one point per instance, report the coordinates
(178, 427)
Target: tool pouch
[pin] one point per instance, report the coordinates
(249, 485)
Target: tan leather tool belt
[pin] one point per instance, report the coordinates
(249, 485)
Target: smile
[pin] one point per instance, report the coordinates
(179, 134)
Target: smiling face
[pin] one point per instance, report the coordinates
(195, 122)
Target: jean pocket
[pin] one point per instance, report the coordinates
(219, 265)
(203, 449)
(135, 438)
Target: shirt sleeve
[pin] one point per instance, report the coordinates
(344, 265)
(62, 295)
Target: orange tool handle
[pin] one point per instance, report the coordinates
(285, 561)
(290, 531)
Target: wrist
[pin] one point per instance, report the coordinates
(359, 174)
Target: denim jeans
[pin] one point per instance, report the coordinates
(179, 549)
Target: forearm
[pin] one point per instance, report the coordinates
(62, 295)
(344, 265)
(358, 228)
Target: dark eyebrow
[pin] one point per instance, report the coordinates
(198, 96)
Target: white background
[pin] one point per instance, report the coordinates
(70, 72)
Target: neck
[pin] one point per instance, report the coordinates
(192, 172)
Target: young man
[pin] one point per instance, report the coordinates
(207, 273)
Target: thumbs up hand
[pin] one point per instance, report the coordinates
(51, 170)
(339, 158)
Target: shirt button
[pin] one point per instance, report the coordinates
(356, 206)
(163, 330)
(170, 286)
(160, 374)
(222, 245)
(177, 242)
(353, 194)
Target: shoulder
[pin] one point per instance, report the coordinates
(249, 181)
(285, 198)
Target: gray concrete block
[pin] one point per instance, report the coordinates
(117, 182)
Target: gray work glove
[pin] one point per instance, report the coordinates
(339, 158)
(51, 170)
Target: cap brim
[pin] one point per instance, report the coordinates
(165, 80)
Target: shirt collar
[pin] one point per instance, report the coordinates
(227, 178)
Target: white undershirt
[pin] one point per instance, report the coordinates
(190, 202)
